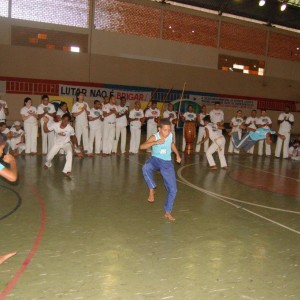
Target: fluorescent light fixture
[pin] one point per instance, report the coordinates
(283, 6)
(74, 49)
(261, 2)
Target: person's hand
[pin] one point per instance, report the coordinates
(8, 158)
(281, 136)
(178, 159)
(160, 141)
(45, 119)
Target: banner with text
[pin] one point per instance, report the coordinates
(99, 93)
(225, 102)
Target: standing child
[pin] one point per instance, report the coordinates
(160, 160)
(201, 132)
(95, 122)
(264, 122)
(235, 124)
(212, 132)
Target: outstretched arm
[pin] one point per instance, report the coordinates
(151, 142)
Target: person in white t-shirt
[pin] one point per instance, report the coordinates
(62, 109)
(18, 139)
(264, 122)
(285, 121)
(109, 131)
(217, 116)
(121, 125)
(3, 111)
(64, 139)
(136, 119)
(188, 116)
(235, 124)
(81, 111)
(212, 132)
(251, 123)
(29, 117)
(96, 124)
(46, 109)
(172, 116)
(201, 131)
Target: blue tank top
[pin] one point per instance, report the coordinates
(163, 151)
(260, 133)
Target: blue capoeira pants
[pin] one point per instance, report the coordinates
(167, 171)
(245, 142)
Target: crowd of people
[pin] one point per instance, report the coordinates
(102, 129)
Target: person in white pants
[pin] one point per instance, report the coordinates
(121, 125)
(3, 111)
(46, 109)
(109, 125)
(29, 117)
(18, 139)
(285, 121)
(172, 116)
(80, 111)
(201, 130)
(264, 122)
(217, 115)
(251, 123)
(96, 124)
(212, 132)
(136, 118)
(64, 139)
(152, 116)
(235, 124)
(188, 116)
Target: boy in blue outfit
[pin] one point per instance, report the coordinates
(160, 160)
(254, 135)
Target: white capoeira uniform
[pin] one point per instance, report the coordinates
(294, 153)
(96, 130)
(251, 121)
(61, 141)
(16, 140)
(31, 129)
(201, 134)
(236, 122)
(121, 129)
(151, 124)
(47, 138)
(263, 121)
(218, 144)
(135, 130)
(82, 125)
(109, 129)
(188, 116)
(171, 115)
(6, 131)
(3, 106)
(217, 116)
(284, 129)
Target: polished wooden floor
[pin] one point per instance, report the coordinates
(94, 236)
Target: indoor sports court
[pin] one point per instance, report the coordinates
(95, 236)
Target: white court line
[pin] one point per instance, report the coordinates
(220, 197)
(268, 172)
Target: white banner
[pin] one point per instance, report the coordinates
(99, 93)
(225, 102)
(2, 87)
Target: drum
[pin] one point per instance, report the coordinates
(189, 135)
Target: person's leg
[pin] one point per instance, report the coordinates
(268, 149)
(221, 150)
(91, 140)
(53, 151)
(211, 149)
(148, 169)
(260, 147)
(123, 138)
(51, 137)
(137, 140)
(69, 158)
(116, 141)
(44, 141)
(101, 137)
(237, 151)
(278, 147)
(112, 136)
(105, 138)
(34, 131)
(132, 142)
(286, 145)
(201, 133)
(206, 145)
(168, 173)
(97, 141)
(237, 141)
(78, 132)
(85, 138)
(27, 138)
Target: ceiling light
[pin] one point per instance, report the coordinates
(74, 49)
(261, 2)
(283, 6)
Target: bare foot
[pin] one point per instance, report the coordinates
(4, 257)
(213, 167)
(45, 167)
(151, 195)
(169, 216)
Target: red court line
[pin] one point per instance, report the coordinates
(34, 248)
